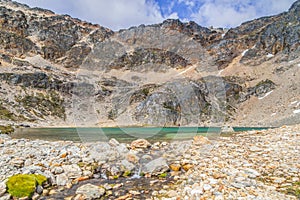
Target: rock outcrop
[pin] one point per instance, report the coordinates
(56, 70)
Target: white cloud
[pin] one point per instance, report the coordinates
(231, 13)
(222, 14)
(173, 16)
(118, 14)
(188, 3)
(273, 7)
(115, 14)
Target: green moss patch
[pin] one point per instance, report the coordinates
(5, 114)
(115, 177)
(163, 175)
(127, 173)
(294, 189)
(6, 129)
(41, 105)
(40, 179)
(24, 185)
(265, 82)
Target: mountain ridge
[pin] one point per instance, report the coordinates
(172, 73)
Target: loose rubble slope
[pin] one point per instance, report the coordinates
(249, 165)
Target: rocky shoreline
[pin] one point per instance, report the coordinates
(248, 165)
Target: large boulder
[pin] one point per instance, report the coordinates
(140, 144)
(72, 171)
(90, 191)
(157, 166)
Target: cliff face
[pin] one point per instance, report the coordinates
(57, 70)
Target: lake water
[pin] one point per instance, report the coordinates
(125, 134)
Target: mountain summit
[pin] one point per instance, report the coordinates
(57, 70)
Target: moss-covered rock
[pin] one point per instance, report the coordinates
(50, 104)
(127, 173)
(141, 56)
(6, 114)
(6, 129)
(24, 185)
(294, 189)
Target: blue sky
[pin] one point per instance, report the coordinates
(118, 14)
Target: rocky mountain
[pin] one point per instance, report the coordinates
(59, 71)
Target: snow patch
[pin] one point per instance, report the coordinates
(294, 102)
(244, 52)
(296, 111)
(270, 55)
(299, 65)
(220, 72)
(267, 94)
(194, 84)
(273, 114)
(186, 70)
(223, 35)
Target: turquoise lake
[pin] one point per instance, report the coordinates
(125, 134)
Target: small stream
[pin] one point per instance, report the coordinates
(138, 188)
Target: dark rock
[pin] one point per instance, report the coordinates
(142, 93)
(20, 63)
(100, 35)
(39, 189)
(134, 60)
(24, 125)
(43, 105)
(56, 34)
(200, 34)
(159, 108)
(263, 87)
(295, 8)
(15, 44)
(13, 21)
(279, 34)
(76, 55)
(40, 80)
(259, 90)
(6, 58)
